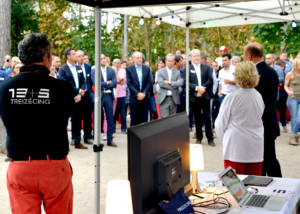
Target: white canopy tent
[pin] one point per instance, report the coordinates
(187, 14)
(211, 14)
(226, 13)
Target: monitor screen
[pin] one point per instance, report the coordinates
(146, 143)
(233, 184)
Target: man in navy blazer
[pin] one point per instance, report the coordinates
(139, 84)
(108, 83)
(74, 75)
(200, 93)
(268, 88)
(87, 104)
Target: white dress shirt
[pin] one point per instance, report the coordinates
(104, 74)
(169, 92)
(74, 73)
(227, 74)
(198, 74)
(240, 126)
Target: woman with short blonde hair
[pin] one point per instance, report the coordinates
(16, 68)
(246, 75)
(239, 123)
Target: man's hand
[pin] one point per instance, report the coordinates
(109, 82)
(77, 98)
(82, 92)
(167, 82)
(201, 91)
(219, 94)
(226, 81)
(141, 96)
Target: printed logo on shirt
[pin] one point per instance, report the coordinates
(26, 96)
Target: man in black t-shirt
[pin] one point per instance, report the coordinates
(31, 104)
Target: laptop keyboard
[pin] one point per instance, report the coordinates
(257, 201)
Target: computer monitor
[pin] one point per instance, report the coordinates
(147, 143)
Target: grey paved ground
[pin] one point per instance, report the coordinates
(114, 166)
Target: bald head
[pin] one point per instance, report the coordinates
(253, 52)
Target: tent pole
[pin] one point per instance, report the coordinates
(187, 104)
(125, 36)
(97, 147)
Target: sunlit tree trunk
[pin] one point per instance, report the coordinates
(5, 22)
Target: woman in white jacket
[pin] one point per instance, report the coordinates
(239, 123)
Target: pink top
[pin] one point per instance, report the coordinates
(121, 88)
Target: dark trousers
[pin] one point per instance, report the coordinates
(121, 109)
(87, 115)
(138, 112)
(107, 104)
(271, 166)
(152, 108)
(76, 118)
(201, 110)
(281, 107)
(181, 106)
(215, 109)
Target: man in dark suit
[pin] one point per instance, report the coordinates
(74, 75)
(108, 83)
(268, 88)
(139, 84)
(200, 85)
(86, 101)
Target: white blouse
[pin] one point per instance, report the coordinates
(240, 126)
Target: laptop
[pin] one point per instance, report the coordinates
(247, 199)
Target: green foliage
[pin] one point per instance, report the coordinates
(274, 38)
(22, 23)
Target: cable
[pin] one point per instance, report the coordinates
(217, 202)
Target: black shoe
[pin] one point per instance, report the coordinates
(112, 144)
(7, 159)
(211, 143)
(88, 141)
(124, 131)
(198, 141)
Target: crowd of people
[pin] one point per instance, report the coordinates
(237, 99)
(130, 82)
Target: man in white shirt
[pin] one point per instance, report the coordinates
(169, 80)
(200, 93)
(74, 75)
(87, 104)
(226, 77)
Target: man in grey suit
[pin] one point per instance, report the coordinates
(169, 80)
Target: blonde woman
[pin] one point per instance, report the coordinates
(292, 88)
(239, 123)
(16, 68)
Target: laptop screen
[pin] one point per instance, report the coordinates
(234, 185)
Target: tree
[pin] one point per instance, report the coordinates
(5, 17)
(22, 22)
(51, 16)
(275, 38)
